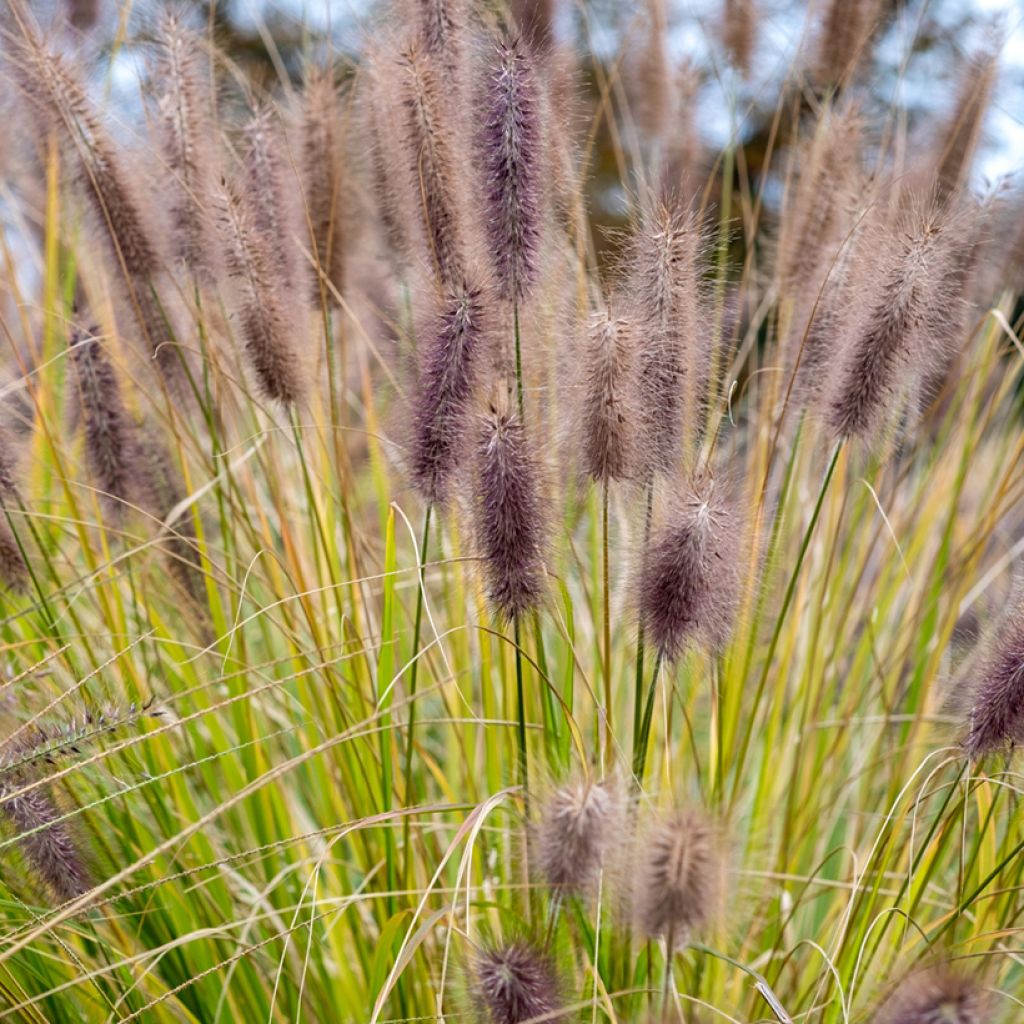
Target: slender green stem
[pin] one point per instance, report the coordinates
(606, 623)
(521, 708)
(413, 673)
(639, 678)
(760, 983)
(640, 753)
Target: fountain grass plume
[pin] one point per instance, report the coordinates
(509, 514)
(679, 888)
(690, 583)
(515, 982)
(429, 154)
(511, 142)
(450, 357)
(268, 318)
(13, 568)
(323, 180)
(185, 133)
(938, 995)
(885, 348)
(580, 824)
(608, 410)
(111, 436)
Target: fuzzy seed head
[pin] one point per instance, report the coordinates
(111, 444)
(689, 585)
(267, 321)
(509, 513)
(738, 28)
(937, 996)
(428, 150)
(666, 292)
(511, 144)
(185, 127)
(579, 823)
(995, 688)
(608, 414)
(885, 343)
(13, 570)
(450, 357)
(47, 844)
(680, 886)
(516, 982)
(843, 39)
(323, 178)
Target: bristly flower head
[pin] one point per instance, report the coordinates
(664, 284)
(111, 444)
(509, 516)
(449, 352)
(994, 685)
(13, 570)
(516, 982)
(937, 996)
(323, 178)
(843, 39)
(689, 585)
(886, 342)
(48, 844)
(512, 145)
(579, 823)
(681, 877)
(608, 416)
(738, 29)
(185, 131)
(267, 319)
(428, 150)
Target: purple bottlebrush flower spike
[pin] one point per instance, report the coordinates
(680, 885)
(13, 570)
(608, 415)
(887, 337)
(689, 586)
(509, 513)
(512, 145)
(579, 823)
(449, 355)
(516, 982)
(264, 306)
(994, 687)
(428, 149)
(937, 996)
(111, 442)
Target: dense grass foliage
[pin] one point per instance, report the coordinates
(410, 613)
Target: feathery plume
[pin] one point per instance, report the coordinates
(266, 196)
(48, 844)
(516, 982)
(578, 824)
(608, 411)
(650, 78)
(535, 22)
(994, 686)
(440, 22)
(449, 357)
(185, 128)
(13, 570)
(111, 444)
(83, 14)
(512, 144)
(665, 289)
(937, 996)
(887, 335)
(266, 321)
(509, 516)
(323, 178)
(689, 585)
(739, 22)
(428, 150)
(49, 84)
(680, 885)
(957, 146)
(844, 37)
